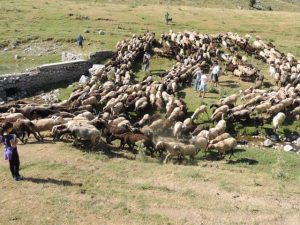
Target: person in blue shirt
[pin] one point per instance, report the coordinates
(80, 40)
(10, 150)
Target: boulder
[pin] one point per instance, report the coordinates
(298, 142)
(288, 148)
(101, 32)
(84, 79)
(268, 143)
(95, 67)
(17, 57)
(274, 138)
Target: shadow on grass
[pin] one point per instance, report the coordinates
(42, 142)
(215, 156)
(110, 151)
(51, 181)
(243, 161)
(267, 84)
(229, 84)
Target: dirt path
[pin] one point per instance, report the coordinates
(67, 186)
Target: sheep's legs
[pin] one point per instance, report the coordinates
(231, 153)
(22, 138)
(167, 157)
(192, 158)
(35, 135)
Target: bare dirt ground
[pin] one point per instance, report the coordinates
(64, 185)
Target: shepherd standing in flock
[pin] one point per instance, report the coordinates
(146, 62)
(201, 79)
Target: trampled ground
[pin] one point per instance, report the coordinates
(64, 185)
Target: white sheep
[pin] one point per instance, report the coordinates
(221, 109)
(220, 138)
(278, 120)
(224, 146)
(157, 125)
(177, 129)
(229, 100)
(174, 113)
(200, 109)
(11, 117)
(47, 124)
(221, 125)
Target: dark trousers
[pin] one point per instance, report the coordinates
(14, 164)
(146, 66)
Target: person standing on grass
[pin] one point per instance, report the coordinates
(80, 40)
(167, 18)
(272, 70)
(203, 85)
(146, 61)
(197, 81)
(10, 150)
(215, 74)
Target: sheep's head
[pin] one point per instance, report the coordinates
(211, 146)
(176, 147)
(160, 145)
(12, 110)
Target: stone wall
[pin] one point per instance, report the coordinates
(68, 56)
(27, 83)
(97, 57)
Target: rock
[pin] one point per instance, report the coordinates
(101, 32)
(291, 137)
(6, 49)
(86, 31)
(95, 67)
(10, 99)
(288, 148)
(298, 142)
(242, 142)
(86, 17)
(84, 79)
(17, 57)
(268, 143)
(274, 138)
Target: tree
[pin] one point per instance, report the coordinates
(252, 3)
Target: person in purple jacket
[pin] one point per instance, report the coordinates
(10, 149)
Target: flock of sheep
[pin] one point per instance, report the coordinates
(115, 106)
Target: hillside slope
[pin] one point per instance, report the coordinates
(278, 5)
(39, 31)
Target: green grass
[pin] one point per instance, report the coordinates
(94, 188)
(64, 93)
(49, 21)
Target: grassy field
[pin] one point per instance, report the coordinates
(64, 185)
(42, 29)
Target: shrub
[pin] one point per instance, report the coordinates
(252, 3)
